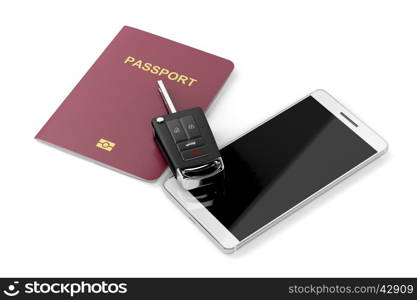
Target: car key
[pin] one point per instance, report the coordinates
(188, 145)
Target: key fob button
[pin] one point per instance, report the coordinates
(191, 144)
(176, 130)
(194, 153)
(190, 126)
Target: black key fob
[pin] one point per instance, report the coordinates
(187, 143)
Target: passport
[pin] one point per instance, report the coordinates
(107, 116)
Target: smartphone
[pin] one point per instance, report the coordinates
(280, 166)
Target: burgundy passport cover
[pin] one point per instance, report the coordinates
(107, 116)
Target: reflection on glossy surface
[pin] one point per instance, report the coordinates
(212, 191)
(279, 164)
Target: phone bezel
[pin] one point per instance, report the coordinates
(220, 234)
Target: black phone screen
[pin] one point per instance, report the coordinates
(281, 163)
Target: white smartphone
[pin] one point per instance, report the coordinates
(280, 166)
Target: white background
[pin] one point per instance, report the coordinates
(63, 216)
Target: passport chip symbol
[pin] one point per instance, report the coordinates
(105, 145)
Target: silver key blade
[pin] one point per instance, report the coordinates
(165, 96)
